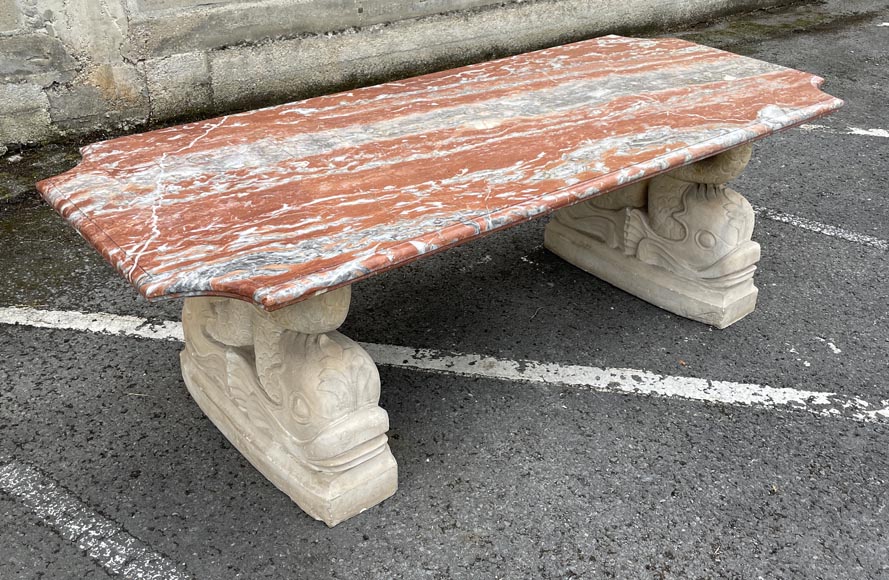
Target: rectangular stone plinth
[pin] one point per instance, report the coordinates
(650, 283)
(331, 498)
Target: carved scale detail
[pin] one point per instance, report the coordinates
(297, 398)
(681, 240)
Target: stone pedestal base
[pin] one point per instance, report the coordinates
(680, 241)
(296, 398)
(653, 284)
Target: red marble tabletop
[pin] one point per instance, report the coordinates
(283, 203)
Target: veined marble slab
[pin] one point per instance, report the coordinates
(283, 203)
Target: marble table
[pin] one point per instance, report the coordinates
(263, 220)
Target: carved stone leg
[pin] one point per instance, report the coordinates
(298, 399)
(680, 240)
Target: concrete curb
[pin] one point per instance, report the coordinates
(124, 67)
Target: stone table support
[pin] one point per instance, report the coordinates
(681, 240)
(297, 398)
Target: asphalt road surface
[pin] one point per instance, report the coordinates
(108, 468)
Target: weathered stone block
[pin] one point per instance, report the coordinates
(152, 5)
(291, 69)
(34, 54)
(111, 96)
(77, 102)
(24, 116)
(178, 85)
(21, 97)
(9, 16)
(206, 26)
(25, 126)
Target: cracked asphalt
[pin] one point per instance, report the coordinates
(500, 479)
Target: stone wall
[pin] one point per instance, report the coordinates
(74, 67)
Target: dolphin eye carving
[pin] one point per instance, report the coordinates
(302, 413)
(705, 239)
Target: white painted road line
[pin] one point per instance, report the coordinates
(99, 322)
(848, 131)
(626, 381)
(826, 229)
(103, 540)
(630, 381)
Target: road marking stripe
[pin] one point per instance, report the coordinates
(102, 539)
(628, 381)
(826, 229)
(848, 131)
(99, 322)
